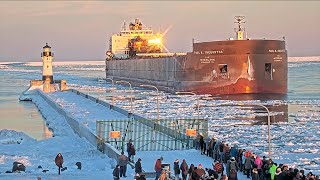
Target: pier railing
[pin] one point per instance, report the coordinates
(151, 135)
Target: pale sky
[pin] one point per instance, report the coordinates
(81, 30)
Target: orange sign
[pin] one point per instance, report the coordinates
(114, 134)
(191, 132)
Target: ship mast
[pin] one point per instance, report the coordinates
(239, 31)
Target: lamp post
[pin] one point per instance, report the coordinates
(144, 85)
(269, 123)
(112, 98)
(269, 138)
(192, 93)
(126, 82)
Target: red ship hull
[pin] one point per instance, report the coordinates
(218, 67)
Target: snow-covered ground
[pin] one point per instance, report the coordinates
(16, 146)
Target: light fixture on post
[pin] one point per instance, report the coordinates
(144, 85)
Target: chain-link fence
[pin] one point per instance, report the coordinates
(151, 135)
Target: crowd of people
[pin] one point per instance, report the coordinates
(228, 163)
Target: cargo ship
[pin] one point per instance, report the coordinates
(233, 66)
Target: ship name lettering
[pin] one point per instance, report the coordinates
(214, 52)
(209, 52)
(276, 50)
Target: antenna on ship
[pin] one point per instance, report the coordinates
(124, 25)
(239, 30)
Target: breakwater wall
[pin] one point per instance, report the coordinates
(79, 128)
(173, 133)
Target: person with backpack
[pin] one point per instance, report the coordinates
(116, 173)
(176, 169)
(231, 165)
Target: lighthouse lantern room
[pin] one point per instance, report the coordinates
(47, 57)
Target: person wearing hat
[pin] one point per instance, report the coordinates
(231, 165)
(278, 175)
(176, 169)
(199, 171)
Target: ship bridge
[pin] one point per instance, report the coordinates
(135, 40)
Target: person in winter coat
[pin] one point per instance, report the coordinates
(138, 167)
(116, 173)
(191, 171)
(202, 144)
(221, 147)
(248, 165)
(207, 146)
(129, 145)
(234, 151)
(198, 142)
(231, 165)
(184, 169)
(233, 175)
(259, 164)
(278, 175)
(157, 168)
(132, 153)
(218, 167)
(176, 169)
(216, 150)
(212, 174)
(226, 153)
(59, 162)
(272, 170)
(255, 174)
(200, 172)
(243, 158)
(123, 161)
(141, 177)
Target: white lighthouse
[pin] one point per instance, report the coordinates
(47, 57)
